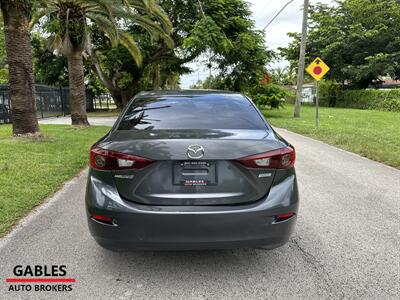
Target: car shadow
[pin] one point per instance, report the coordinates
(178, 265)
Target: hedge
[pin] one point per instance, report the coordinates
(331, 94)
(388, 100)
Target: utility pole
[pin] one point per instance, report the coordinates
(300, 74)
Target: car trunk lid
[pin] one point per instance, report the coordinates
(215, 178)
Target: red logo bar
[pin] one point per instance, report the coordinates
(40, 280)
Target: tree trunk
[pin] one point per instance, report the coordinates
(121, 96)
(127, 94)
(77, 91)
(19, 59)
(116, 95)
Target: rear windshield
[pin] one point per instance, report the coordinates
(230, 111)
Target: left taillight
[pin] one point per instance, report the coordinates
(283, 158)
(102, 159)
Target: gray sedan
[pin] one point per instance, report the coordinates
(191, 170)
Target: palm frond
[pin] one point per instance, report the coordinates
(161, 16)
(107, 16)
(129, 43)
(106, 26)
(66, 45)
(40, 13)
(148, 24)
(55, 43)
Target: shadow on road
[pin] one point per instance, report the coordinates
(182, 264)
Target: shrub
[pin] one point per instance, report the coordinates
(331, 94)
(328, 92)
(290, 96)
(388, 100)
(271, 95)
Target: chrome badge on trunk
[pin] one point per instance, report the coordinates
(195, 151)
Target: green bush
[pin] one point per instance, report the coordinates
(270, 94)
(328, 92)
(290, 96)
(331, 94)
(387, 100)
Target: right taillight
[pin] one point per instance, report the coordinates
(283, 158)
(102, 159)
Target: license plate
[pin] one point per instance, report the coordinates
(195, 173)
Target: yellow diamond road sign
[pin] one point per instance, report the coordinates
(317, 69)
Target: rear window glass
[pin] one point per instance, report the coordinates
(230, 111)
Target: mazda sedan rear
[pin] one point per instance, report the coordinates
(191, 170)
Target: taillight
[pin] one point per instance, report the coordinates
(283, 158)
(103, 159)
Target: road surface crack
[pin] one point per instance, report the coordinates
(333, 289)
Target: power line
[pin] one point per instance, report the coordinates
(260, 11)
(279, 12)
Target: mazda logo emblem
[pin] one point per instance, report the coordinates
(195, 151)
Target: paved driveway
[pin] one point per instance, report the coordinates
(346, 244)
(107, 121)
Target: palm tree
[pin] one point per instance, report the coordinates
(68, 22)
(19, 58)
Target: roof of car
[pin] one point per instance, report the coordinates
(161, 93)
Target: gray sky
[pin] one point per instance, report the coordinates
(276, 34)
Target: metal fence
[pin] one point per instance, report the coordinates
(5, 113)
(103, 102)
(52, 102)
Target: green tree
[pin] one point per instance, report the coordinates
(52, 69)
(48, 68)
(69, 22)
(16, 16)
(285, 76)
(234, 48)
(3, 59)
(210, 83)
(359, 40)
(224, 37)
(121, 75)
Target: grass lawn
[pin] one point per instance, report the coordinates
(31, 170)
(111, 113)
(370, 133)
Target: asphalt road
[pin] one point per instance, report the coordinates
(346, 244)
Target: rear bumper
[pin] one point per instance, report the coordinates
(191, 227)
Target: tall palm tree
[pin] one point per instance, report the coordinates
(68, 21)
(16, 15)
